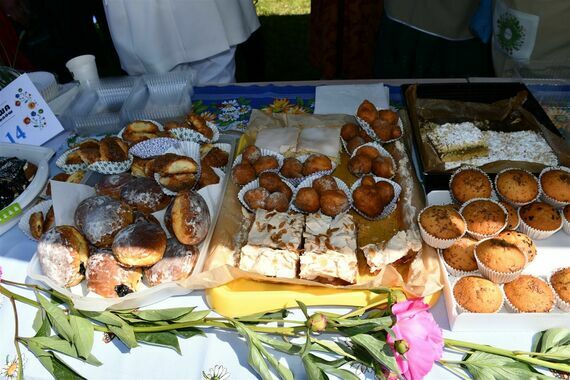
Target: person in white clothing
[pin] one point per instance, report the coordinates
(157, 36)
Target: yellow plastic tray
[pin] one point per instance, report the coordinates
(243, 297)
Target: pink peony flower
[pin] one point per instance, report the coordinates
(419, 340)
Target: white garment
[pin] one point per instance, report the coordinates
(218, 69)
(154, 36)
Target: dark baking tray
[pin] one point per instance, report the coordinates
(468, 92)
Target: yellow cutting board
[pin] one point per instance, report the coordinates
(243, 297)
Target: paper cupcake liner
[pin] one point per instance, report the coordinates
(223, 147)
(69, 168)
(478, 235)
(433, 241)
(160, 128)
(183, 148)
(459, 170)
(461, 308)
(545, 197)
(390, 207)
(111, 167)
(254, 185)
(24, 223)
(152, 147)
(513, 309)
(188, 134)
(456, 272)
(511, 202)
(495, 276)
(560, 303)
(296, 181)
(534, 233)
(368, 129)
(264, 152)
(565, 223)
(383, 152)
(308, 182)
(344, 147)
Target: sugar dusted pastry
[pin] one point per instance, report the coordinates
(330, 249)
(399, 246)
(176, 264)
(108, 278)
(280, 230)
(269, 261)
(280, 140)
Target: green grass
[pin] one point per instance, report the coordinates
(282, 7)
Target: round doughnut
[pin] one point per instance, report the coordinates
(292, 168)
(270, 181)
(367, 112)
(277, 201)
(106, 277)
(388, 116)
(382, 130)
(316, 163)
(367, 180)
(140, 245)
(251, 154)
(265, 163)
(100, 218)
(368, 151)
(256, 198)
(324, 183)
(307, 200)
(386, 191)
(354, 143)
(333, 202)
(111, 185)
(349, 131)
(176, 264)
(188, 217)
(359, 165)
(139, 217)
(383, 167)
(145, 195)
(286, 190)
(243, 173)
(62, 253)
(367, 200)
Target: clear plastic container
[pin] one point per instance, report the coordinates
(159, 97)
(97, 110)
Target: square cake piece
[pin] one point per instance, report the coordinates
(400, 245)
(324, 140)
(279, 230)
(458, 141)
(280, 140)
(268, 261)
(330, 248)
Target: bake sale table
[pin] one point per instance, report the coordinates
(201, 355)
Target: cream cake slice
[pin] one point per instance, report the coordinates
(324, 140)
(279, 230)
(268, 261)
(400, 245)
(458, 141)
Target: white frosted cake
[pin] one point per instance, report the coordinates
(268, 261)
(380, 255)
(324, 140)
(280, 230)
(280, 140)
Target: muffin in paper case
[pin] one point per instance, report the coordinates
(69, 168)
(456, 272)
(495, 276)
(565, 223)
(460, 308)
(535, 233)
(383, 152)
(548, 199)
(111, 167)
(264, 152)
(308, 182)
(188, 134)
(480, 236)
(560, 303)
(459, 170)
(390, 207)
(513, 309)
(513, 203)
(254, 185)
(436, 242)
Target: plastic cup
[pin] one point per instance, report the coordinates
(84, 69)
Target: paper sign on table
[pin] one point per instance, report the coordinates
(25, 117)
(346, 98)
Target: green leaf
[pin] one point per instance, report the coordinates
(105, 317)
(163, 314)
(311, 369)
(280, 345)
(52, 363)
(554, 337)
(280, 314)
(41, 324)
(485, 366)
(193, 316)
(379, 322)
(55, 343)
(257, 362)
(334, 347)
(125, 333)
(356, 330)
(82, 335)
(340, 373)
(284, 372)
(163, 339)
(379, 350)
(303, 308)
(57, 318)
(559, 350)
(189, 332)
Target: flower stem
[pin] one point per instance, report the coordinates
(449, 366)
(18, 297)
(542, 354)
(507, 353)
(16, 344)
(363, 309)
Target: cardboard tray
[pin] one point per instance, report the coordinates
(466, 92)
(552, 253)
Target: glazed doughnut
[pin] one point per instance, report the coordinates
(140, 245)
(176, 264)
(368, 151)
(316, 163)
(388, 116)
(333, 202)
(243, 173)
(108, 278)
(188, 217)
(307, 200)
(367, 200)
(354, 143)
(62, 253)
(383, 167)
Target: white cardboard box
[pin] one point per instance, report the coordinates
(552, 253)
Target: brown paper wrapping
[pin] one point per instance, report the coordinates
(420, 277)
(506, 115)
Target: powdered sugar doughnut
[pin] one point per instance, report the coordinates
(101, 217)
(145, 195)
(62, 252)
(188, 217)
(106, 277)
(111, 185)
(140, 245)
(177, 264)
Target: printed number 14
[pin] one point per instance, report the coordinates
(20, 134)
